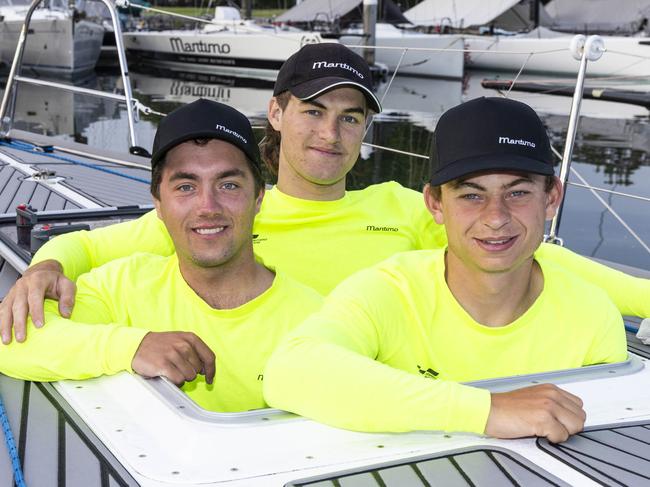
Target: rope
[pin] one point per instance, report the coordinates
(31, 148)
(19, 480)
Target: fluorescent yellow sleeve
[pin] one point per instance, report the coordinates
(79, 252)
(336, 386)
(630, 294)
(390, 345)
(69, 350)
(146, 293)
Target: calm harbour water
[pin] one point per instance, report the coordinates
(612, 148)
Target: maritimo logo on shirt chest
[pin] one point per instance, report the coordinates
(372, 228)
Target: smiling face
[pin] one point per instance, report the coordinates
(321, 139)
(208, 201)
(495, 221)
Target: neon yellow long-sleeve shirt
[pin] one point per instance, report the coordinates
(320, 243)
(391, 344)
(119, 303)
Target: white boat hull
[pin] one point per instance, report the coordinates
(625, 56)
(430, 55)
(55, 43)
(257, 54)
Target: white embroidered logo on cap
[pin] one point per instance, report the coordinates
(325, 64)
(509, 141)
(231, 132)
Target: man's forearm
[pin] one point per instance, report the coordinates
(68, 350)
(342, 388)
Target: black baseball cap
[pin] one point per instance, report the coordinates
(205, 119)
(488, 134)
(317, 68)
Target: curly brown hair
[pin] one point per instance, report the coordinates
(270, 144)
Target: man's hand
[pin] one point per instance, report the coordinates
(544, 410)
(177, 355)
(43, 280)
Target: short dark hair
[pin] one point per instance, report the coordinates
(157, 170)
(436, 191)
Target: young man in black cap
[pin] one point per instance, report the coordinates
(171, 315)
(390, 347)
(309, 226)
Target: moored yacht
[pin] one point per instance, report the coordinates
(60, 42)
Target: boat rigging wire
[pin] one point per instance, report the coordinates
(519, 73)
(611, 210)
(609, 191)
(19, 479)
(623, 53)
(390, 83)
(396, 151)
(593, 190)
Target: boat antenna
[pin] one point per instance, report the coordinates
(584, 50)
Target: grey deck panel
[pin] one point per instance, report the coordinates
(106, 189)
(15, 190)
(6, 172)
(469, 467)
(611, 455)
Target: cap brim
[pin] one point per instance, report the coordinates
(316, 87)
(492, 162)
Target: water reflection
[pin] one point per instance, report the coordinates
(611, 148)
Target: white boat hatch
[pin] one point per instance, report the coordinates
(471, 467)
(614, 454)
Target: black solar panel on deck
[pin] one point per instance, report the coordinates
(612, 455)
(470, 467)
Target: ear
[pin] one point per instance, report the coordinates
(258, 200)
(156, 203)
(434, 205)
(274, 114)
(554, 198)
